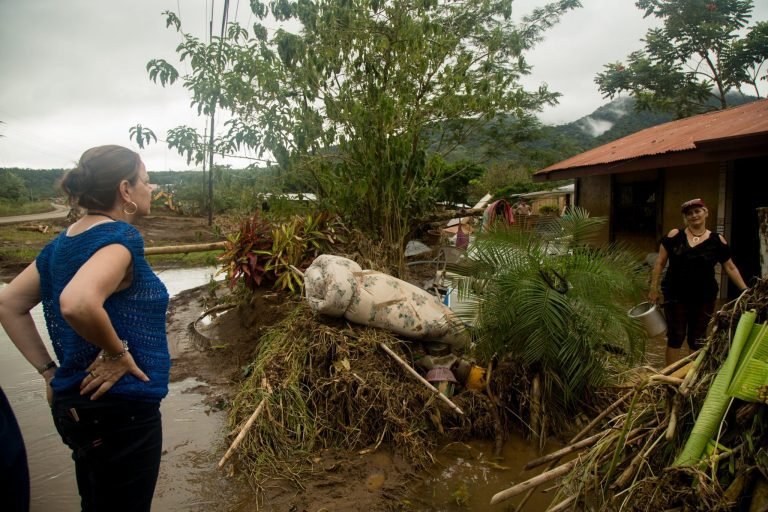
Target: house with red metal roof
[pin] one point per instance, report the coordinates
(639, 181)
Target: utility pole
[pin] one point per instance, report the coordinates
(214, 101)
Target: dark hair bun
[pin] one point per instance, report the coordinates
(95, 180)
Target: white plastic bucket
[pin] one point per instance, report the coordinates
(650, 317)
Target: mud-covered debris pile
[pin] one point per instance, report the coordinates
(326, 383)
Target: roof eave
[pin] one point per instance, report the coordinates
(711, 151)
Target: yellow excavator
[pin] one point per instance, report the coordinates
(166, 199)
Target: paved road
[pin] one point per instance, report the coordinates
(60, 211)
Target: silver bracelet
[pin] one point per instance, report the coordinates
(114, 357)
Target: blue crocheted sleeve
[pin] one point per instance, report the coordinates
(137, 313)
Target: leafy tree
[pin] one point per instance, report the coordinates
(550, 300)
(11, 186)
(694, 59)
(454, 180)
(346, 100)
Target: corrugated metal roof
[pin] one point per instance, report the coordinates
(676, 136)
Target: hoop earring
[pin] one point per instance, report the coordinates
(130, 203)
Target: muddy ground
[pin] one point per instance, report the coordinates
(341, 480)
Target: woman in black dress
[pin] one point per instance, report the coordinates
(689, 286)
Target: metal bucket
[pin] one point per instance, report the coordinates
(650, 317)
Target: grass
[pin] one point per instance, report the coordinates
(185, 260)
(11, 208)
(11, 233)
(18, 254)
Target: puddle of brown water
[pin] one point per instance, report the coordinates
(189, 478)
(467, 476)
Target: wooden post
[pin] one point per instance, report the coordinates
(175, 249)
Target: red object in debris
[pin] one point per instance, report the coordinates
(462, 239)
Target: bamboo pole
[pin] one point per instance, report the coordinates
(665, 371)
(420, 378)
(673, 381)
(693, 373)
(563, 505)
(562, 452)
(534, 482)
(672, 427)
(174, 249)
(642, 455)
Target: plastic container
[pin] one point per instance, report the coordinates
(650, 317)
(476, 378)
(443, 379)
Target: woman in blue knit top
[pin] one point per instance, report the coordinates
(105, 313)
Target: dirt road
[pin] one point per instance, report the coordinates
(59, 212)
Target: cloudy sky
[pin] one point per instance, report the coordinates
(72, 72)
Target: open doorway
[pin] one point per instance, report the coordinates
(750, 191)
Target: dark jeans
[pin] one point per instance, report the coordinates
(14, 472)
(116, 445)
(687, 321)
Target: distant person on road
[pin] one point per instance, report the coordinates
(689, 286)
(105, 313)
(523, 208)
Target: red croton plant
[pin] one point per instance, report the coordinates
(261, 253)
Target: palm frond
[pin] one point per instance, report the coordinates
(560, 325)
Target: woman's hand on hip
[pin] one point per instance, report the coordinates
(104, 373)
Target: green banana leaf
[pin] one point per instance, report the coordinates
(716, 402)
(753, 366)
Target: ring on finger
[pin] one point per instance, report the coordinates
(93, 374)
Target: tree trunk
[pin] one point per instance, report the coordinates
(536, 420)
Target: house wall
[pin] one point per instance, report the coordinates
(688, 182)
(676, 185)
(595, 197)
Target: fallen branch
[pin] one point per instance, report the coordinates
(42, 228)
(534, 482)
(246, 427)
(420, 378)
